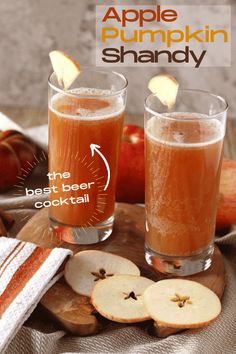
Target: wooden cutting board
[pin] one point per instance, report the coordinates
(74, 312)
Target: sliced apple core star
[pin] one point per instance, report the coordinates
(87, 268)
(119, 298)
(178, 303)
(65, 68)
(164, 87)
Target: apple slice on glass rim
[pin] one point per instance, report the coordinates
(65, 68)
(164, 87)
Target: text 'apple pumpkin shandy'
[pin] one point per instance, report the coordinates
(85, 126)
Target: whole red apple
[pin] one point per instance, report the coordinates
(226, 212)
(130, 181)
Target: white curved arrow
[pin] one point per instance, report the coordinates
(96, 148)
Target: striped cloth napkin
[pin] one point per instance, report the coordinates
(26, 273)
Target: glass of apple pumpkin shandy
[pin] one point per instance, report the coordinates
(183, 164)
(85, 127)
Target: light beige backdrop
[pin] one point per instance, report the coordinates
(29, 29)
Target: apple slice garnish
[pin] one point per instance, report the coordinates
(85, 269)
(178, 303)
(164, 87)
(119, 298)
(65, 68)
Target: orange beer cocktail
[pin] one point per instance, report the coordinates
(85, 127)
(183, 165)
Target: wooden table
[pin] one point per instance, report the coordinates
(30, 117)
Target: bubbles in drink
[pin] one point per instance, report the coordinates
(184, 129)
(87, 103)
(178, 137)
(183, 159)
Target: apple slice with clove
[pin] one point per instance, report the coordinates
(164, 87)
(178, 303)
(119, 298)
(87, 268)
(65, 68)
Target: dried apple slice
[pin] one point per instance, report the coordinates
(119, 298)
(178, 303)
(165, 87)
(65, 68)
(86, 268)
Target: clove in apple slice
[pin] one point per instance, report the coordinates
(65, 68)
(85, 269)
(119, 298)
(164, 87)
(179, 303)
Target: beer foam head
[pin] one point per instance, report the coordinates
(87, 103)
(184, 129)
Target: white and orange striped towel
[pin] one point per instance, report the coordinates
(26, 273)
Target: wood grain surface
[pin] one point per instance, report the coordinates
(75, 312)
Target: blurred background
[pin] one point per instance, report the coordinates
(29, 30)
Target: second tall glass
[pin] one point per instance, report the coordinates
(183, 165)
(85, 127)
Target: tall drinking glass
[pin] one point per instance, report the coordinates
(85, 127)
(183, 164)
